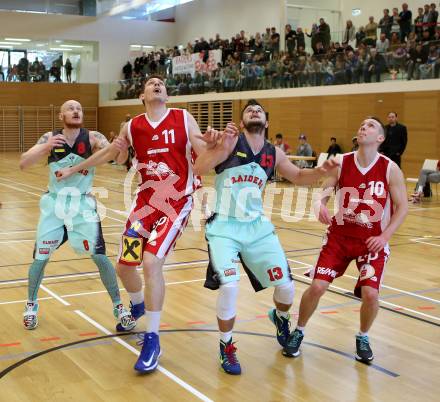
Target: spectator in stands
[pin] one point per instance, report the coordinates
(376, 65)
(334, 148)
(423, 188)
(324, 33)
(68, 67)
(349, 33)
(314, 36)
(382, 44)
(371, 32)
(304, 149)
(395, 27)
(405, 18)
(418, 23)
(290, 36)
(300, 39)
(274, 41)
(416, 57)
(267, 40)
(427, 69)
(385, 23)
(127, 70)
(2, 74)
(355, 146)
(426, 18)
(395, 140)
(284, 146)
(360, 36)
(432, 20)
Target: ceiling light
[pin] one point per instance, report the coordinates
(60, 48)
(41, 44)
(126, 17)
(11, 43)
(76, 46)
(6, 47)
(18, 39)
(137, 46)
(58, 41)
(148, 47)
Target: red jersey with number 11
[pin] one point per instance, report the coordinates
(163, 154)
(363, 198)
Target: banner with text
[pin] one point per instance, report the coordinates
(190, 64)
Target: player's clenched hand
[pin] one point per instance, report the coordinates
(63, 174)
(121, 144)
(324, 215)
(328, 166)
(376, 243)
(231, 129)
(56, 141)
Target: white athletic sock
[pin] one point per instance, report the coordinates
(362, 333)
(136, 297)
(284, 314)
(300, 329)
(225, 336)
(152, 321)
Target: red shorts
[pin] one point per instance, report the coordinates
(154, 230)
(338, 251)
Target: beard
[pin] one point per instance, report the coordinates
(72, 125)
(254, 127)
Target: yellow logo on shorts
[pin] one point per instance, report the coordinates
(242, 154)
(132, 249)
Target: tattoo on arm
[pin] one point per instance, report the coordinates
(44, 139)
(100, 140)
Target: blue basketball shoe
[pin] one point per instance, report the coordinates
(228, 358)
(283, 326)
(150, 353)
(137, 311)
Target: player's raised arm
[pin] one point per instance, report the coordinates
(104, 155)
(302, 176)
(41, 149)
(216, 154)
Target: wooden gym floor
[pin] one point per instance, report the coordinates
(73, 354)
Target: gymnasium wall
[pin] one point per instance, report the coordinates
(323, 116)
(46, 94)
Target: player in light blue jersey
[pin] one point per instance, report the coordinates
(68, 210)
(239, 231)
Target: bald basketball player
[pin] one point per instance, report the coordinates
(68, 210)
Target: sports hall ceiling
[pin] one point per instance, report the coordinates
(127, 9)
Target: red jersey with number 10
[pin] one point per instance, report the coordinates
(163, 154)
(363, 198)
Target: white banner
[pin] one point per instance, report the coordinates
(193, 63)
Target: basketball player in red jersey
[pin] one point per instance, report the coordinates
(163, 140)
(371, 198)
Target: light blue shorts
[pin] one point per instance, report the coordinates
(254, 244)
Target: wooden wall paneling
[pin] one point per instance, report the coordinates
(10, 129)
(334, 122)
(35, 122)
(46, 94)
(311, 121)
(421, 116)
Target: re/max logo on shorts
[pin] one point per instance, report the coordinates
(230, 272)
(326, 271)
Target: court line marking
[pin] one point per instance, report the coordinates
(380, 300)
(170, 375)
(34, 231)
(163, 370)
(419, 240)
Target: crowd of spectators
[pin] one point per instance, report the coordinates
(37, 71)
(398, 46)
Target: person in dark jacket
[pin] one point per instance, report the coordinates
(334, 148)
(396, 139)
